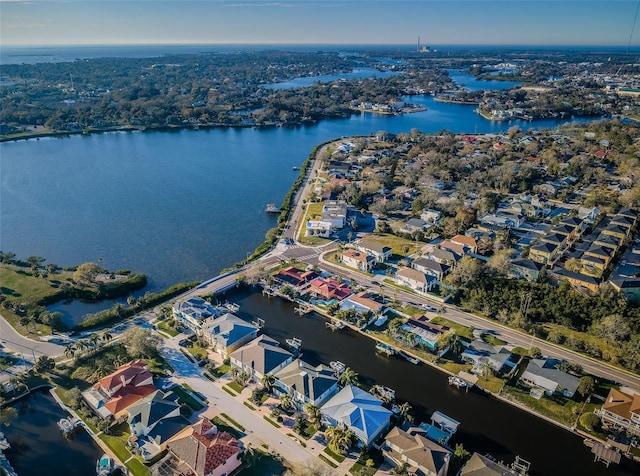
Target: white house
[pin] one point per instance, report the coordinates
(380, 252)
(194, 312)
(335, 213)
(358, 260)
(416, 280)
(318, 228)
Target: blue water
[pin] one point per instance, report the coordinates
(357, 73)
(472, 84)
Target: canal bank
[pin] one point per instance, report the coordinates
(488, 425)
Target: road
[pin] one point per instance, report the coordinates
(30, 349)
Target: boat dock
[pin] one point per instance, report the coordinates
(68, 425)
(231, 306)
(385, 349)
(294, 343)
(271, 208)
(335, 325)
(303, 309)
(259, 323)
(385, 393)
(411, 359)
(268, 292)
(338, 367)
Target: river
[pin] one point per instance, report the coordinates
(37, 445)
(487, 424)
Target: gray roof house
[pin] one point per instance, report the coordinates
(524, 268)
(359, 411)
(309, 384)
(479, 351)
(194, 312)
(544, 374)
(380, 252)
(444, 257)
(261, 356)
(430, 267)
(228, 333)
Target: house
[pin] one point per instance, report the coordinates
(262, 356)
(605, 254)
(621, 410)
(577, 280)
(364, 301)
(448, 245)
(592, 265)
(565, 229)
(308, 384)
(153, 421)
(554, 239)
(414, 279)
(228, 333)
(588, 215)
(616, 230)
(574, 221)
(430, 216)
(630, 287)
(608, 241)
(359, 411)
(358, 260)
(318, 228)
(205, 450)
(542, 373)
(626, 212)
(523, 268)
(445, 257)
(425, 332)
(478, 352)
(469, 243)
(430, 267)
(419, 454)
(192, 313)
(329, 288)
(297, 279)
(112, 395)
(479, 465)
(623, 221)
(544, 253)
(380, 252)
(335, 213)
(415, 224)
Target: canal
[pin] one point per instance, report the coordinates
(37, 445)
(487, 424)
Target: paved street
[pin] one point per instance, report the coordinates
(31, 349)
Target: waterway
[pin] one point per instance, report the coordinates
(487, 424)
(37, 445)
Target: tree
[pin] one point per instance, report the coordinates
(287, 402)
(44, 364)
(313, 413)
(299, 422)
(404, 411)
(349, 377)
(339, 438)
(7, 414)
(249, 456)
(70, 351)
(586, 386)
(268, 381)
(86, 273)
(613, 327)
(141, 342)
(535, 353)
(591, 421)
(452, 340)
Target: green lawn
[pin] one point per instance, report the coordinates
(137, 467)
(233, 422)
(462, 331)
(396, 243)
(185, 397)
(328, 461)
(335, 456)
(562, 410)
(491, 383)
(277, 425)
(235, 386)
(493, 340)
(7, 361)
(19, 284)
(267, 464)
(223, 426)
(360, 469)
(117, 440)
(165, 327)
(198, 352)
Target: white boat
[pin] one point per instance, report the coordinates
(232, 306)
(337, 366)
(457, 382)
(104, 465)
(294, 343)
(67, 425)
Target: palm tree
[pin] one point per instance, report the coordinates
(486, 368)
(106, 336)
(70, 351)
(339, 438)
(313, 412)
(94, 339)
(81, 345)
(249, 456)
(349, 377)
(268, 381)
(404, 411)
(287, 401)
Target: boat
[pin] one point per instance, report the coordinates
(294, 343)
(411, 359)
(271, 208)
(386, 393)
(337, 366)
(104, 465)
(67, 425)
(456, 381)
(335, 325)
(385, 349)
(232, 306)
(295, 168)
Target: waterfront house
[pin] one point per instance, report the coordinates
(153, 421)
(262, 356)
(364, 301)
(358, 260)
(543, 374)
(329, 288)
(228, 333)
(205, 450)
(479, 465)
(419, 454)
(478, 352)
(414, 279)
(523, 268)
(430, 267)
(295, 278)
(380, 252)
(192, 313)
(359, 411)
(112, 395)
(425, 332)
(309, 384)
(621, 410)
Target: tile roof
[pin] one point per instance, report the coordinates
(132, 373)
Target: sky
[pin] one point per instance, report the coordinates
(499, 22)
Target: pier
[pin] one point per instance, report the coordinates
(68, 425)
(269, 292)
(271, 208)
(294, 343)
(303, 309)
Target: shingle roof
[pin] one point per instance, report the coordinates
(622, 404)
(311, 382)
(480, 465)
(151, 409)
(422, 452)
(262, 354)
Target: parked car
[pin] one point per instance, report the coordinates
(203, 362)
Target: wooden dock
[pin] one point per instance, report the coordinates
(303, 309)
(335, 325)
(385, 349)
